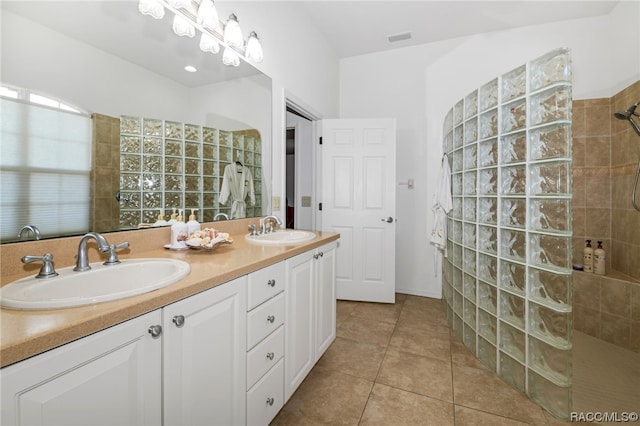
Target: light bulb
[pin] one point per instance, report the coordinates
(233, 33)
(152, 8)
(182, 27)
(230, 57)
(208, 43)
(207, 15)
(254, 48)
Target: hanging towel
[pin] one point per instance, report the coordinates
(442, 205)
(237, 183)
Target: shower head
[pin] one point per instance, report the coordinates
(625, 115)
(628, 115)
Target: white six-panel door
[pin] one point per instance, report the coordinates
(358, 160)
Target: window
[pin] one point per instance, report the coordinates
(45, 165)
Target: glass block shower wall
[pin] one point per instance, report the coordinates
(507, 278)
(166, 165)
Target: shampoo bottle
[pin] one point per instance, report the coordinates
(193, 225)
(588, 257)
(179, 233)
(173, 218)
(598, 260)
(161, 221)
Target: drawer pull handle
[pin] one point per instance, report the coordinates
(155, 331)
(271, 283)
(178, 320)
(271, 318)
(270, 355)
(270, 401)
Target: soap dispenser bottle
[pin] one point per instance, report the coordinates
(588, 257)
(599, 266)
(173, 218)
(160, 221)
(179, 233)
(193, 225)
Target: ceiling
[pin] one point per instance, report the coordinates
(350, 27)
(359, 27)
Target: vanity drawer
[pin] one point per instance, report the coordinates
(264, 284)
(264, 319)
(266, 398)
(264, 356)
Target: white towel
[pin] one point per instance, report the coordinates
(442, 205)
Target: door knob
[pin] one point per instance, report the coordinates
(388, 220)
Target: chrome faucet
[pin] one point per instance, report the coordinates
(32, 229)
(224, 215)
(82, 261)
(269, 218)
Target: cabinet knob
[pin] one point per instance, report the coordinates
(316, 256)
(178, 320)
(270, 355)
(270, 401)
(271, 318)
(155, 331)
(271, 283)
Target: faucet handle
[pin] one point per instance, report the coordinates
(113, 257)
(253, 230)
(47, 270)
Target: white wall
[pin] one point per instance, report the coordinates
(418, 85)
(298, 59)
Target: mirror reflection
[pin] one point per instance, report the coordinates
(156, 137)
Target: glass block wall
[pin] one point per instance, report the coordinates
(166, 165)
(507, 277)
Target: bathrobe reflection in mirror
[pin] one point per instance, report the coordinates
(237, 184)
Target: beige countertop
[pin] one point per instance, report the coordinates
(27, 333)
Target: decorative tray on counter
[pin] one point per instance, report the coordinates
(208, 239)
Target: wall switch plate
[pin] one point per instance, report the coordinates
(306, 201)
(275, 200)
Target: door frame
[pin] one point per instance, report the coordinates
(301, 108)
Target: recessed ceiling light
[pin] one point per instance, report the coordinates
(398, 37)
(190, 68)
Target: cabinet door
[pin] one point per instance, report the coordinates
(112, 377)
(205, 357)
(299, 341)
(325, 266)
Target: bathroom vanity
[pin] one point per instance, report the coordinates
(226, 345)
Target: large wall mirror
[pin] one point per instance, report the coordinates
(161, 137)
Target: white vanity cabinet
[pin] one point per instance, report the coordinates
(265, 343)
(204, 343)
(111, 377)
(310, 323)
(182, 364)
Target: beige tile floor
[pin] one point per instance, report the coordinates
(401, 365)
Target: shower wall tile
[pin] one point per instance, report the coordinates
(634, 341)
(598, 151)
(586, 320)
(615, 329)
(616, 299)
(579, 121)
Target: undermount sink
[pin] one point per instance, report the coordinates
(284, 236)
(100, 284)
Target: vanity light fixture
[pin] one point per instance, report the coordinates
(230, 57)
(190, 68)
(209, 44)
(152, 8)
(254, 48)
(207, 15)
(233, 32)
(201, 15)
(182, 27)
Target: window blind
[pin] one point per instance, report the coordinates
(45, 164)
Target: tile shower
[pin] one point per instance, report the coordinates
(605, 156)
(507, 278)
(166, 165)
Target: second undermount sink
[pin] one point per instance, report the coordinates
(100, 284)
(284, 236)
